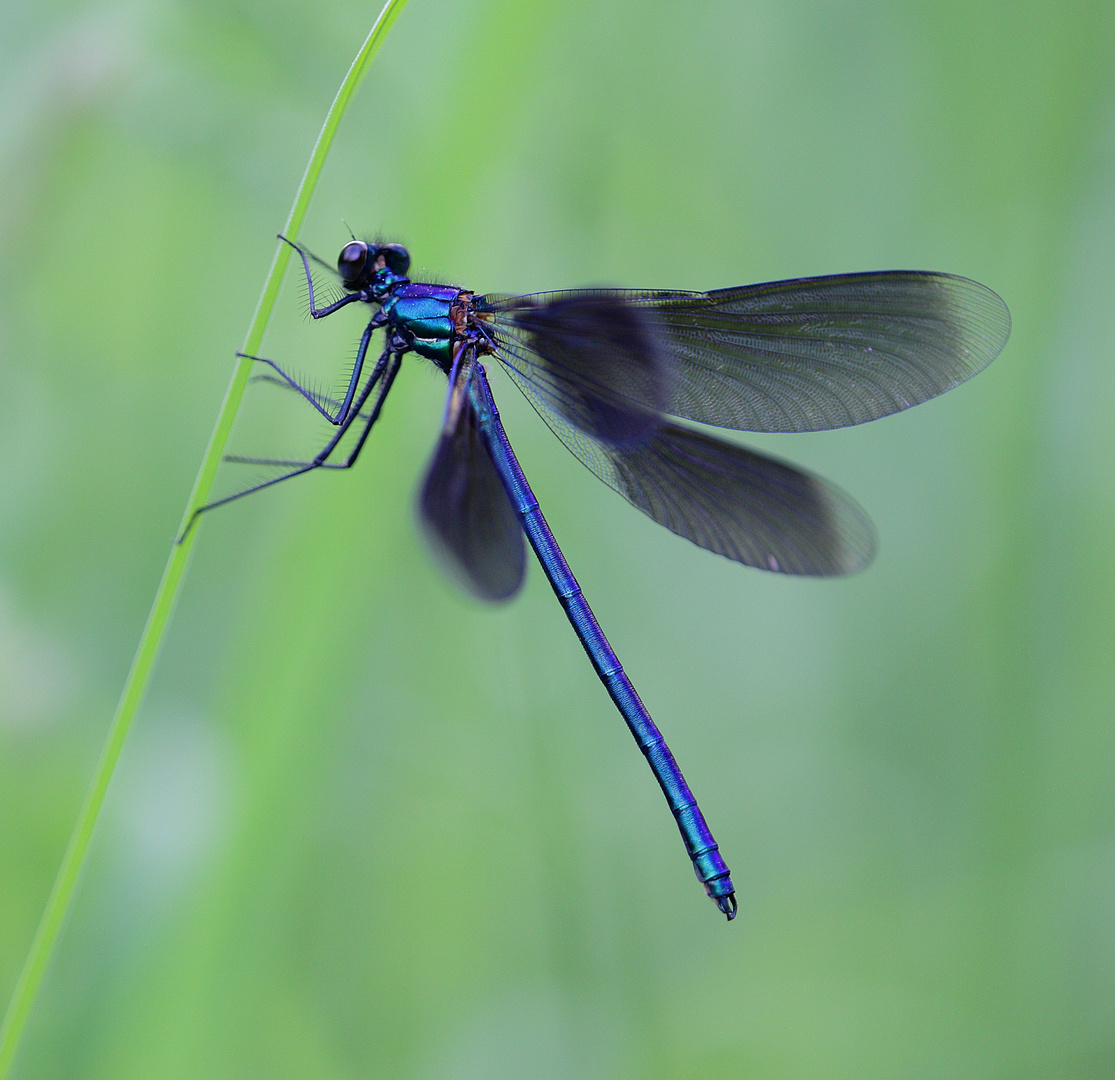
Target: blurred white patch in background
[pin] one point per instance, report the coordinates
(170, 799)
(37, 674)
(47, 81)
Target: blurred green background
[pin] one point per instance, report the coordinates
(365, 827)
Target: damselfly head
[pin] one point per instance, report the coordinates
(359, 262)
(352, 262)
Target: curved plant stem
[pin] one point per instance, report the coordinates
(62, 894)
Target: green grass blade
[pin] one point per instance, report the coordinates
(62, 894)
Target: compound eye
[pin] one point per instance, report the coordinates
(397, 258)
(352, 260)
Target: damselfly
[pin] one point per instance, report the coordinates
(606, 369)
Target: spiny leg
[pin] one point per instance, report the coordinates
(289, 463)
(320, 398)
(369, 420)
(320, 458)
(316, 312)
(388, 379)
(306, 252)
(342, 412)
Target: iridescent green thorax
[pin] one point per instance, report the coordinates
(424, 311)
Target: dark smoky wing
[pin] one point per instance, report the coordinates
(468, 517)
(747, 506)
(727, 499)
(743, 505)
(595, 357)
(802, 355)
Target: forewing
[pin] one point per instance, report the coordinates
(467, 515)
(801, 355)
